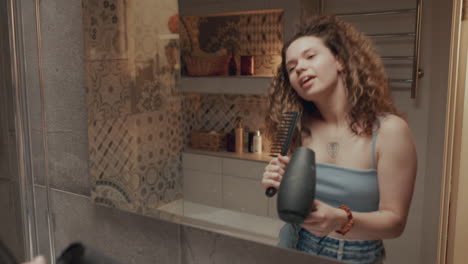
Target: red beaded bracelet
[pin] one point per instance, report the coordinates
(345, 229)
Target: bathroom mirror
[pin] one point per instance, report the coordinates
(143, 115)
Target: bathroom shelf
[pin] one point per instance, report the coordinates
(226, 85)
(262, 157)
(378, 13)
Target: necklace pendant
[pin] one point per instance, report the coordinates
(333, 148)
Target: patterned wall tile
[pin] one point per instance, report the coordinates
(135, 124)
(149, 91)
(108, 89)
(158, 162)
(167, 64)
(206, 38)
(191, 117)
(153, 87)
(135, 161)
(112, 163)
(155, 132)
(219, 113)
(104, 24)
(262, 33)
(148, 22)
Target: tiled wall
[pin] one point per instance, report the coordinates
(137, 118)
(134, 109)
(208, 40)
(218, 112)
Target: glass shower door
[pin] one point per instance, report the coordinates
(24, 221)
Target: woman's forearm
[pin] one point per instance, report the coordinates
(374, 225)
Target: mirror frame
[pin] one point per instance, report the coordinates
(451, 227)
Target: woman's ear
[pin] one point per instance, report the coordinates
(339, 65)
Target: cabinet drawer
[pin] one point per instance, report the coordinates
(202, 163)
(244, 195)
(203, 187)
(244, 168)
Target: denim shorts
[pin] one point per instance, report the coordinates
(347, 251)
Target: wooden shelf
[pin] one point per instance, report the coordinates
(257, 85)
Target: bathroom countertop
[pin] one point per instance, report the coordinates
(233, 223)
(262, 157)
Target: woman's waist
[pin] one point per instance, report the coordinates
(356, 204)
(348, 237)
(334, 239)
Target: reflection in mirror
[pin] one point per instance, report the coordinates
(164, 145)
(135, 122)
(243, 43)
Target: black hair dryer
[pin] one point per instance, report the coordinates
(75, 253)
(297, 190)
(78, 253)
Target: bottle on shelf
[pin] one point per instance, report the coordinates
(232, 65)
(231, 141)
(239, 135)
(257, 142)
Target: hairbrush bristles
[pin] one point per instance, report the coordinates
(283, 136)
(282, 140)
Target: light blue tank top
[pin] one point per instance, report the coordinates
(337, 185)
(356, 188)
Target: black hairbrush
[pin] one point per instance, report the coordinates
(282, 140)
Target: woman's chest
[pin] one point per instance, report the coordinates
(349, 151)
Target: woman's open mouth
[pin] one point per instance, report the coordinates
(306, 81)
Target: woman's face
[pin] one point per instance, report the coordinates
(312, 68)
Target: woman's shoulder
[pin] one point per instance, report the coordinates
(393, 131)
(395, 143)
(392, 124)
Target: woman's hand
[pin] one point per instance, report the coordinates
(324, 219)
(274, 172)
(37, 260)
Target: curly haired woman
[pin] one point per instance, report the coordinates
(365, 154)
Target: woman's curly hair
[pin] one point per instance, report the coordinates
(363, 75)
